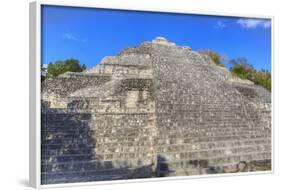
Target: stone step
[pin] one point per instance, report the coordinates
(95, 150)
(82, 176)
(52, 147)
(66, 151)
(57, 135)
(56, 116)
(170, 143)
(71, 142)
(102, 145)
(199, 134)
(67, 141)
(191, 155)
(122, 130)
(182, 134)
(208, 139)
(190, 139)
(211, 145)
(67, 122)
(193, 124)
(189, 104)
(210, 128)
(211, 162)
(180, 147)
(107, 156)
(71, 158)
(52, 127)
(99, 171)
(218, 113)
(64, 125)
(97, 140)
(215, 169)
(123, 125)
(60, 156)
(192, 120)
(207, 154)
(137, 146)
(65, 134)
(123, 134)
(160, 149)
(193, 146)
(189, 172)
(66, 129)
(93, 165)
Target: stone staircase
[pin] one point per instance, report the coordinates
(205, 125)
(65, 138)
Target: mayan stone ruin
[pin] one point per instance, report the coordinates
(154, 110)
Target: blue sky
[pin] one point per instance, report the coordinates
(89, 34)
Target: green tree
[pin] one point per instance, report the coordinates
(73, 65)
(215, 56)
(242, 69)
(263, 78)
(60, 67)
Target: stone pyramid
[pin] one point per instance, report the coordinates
(154, 110)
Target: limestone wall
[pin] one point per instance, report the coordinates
(151, 111)
(56, 90)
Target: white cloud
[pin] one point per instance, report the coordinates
(69, 36)
(220, 25)
(254, 23)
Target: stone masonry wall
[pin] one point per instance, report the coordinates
(56, 89)
(151, 111)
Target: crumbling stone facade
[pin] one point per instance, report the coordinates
(154, 110)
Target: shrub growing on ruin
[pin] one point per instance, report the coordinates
(60, 67)
(215, 56)
(242, 69)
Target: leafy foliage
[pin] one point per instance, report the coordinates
(242, 69)
(216, 57)
(60, 67)
(263, 78)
